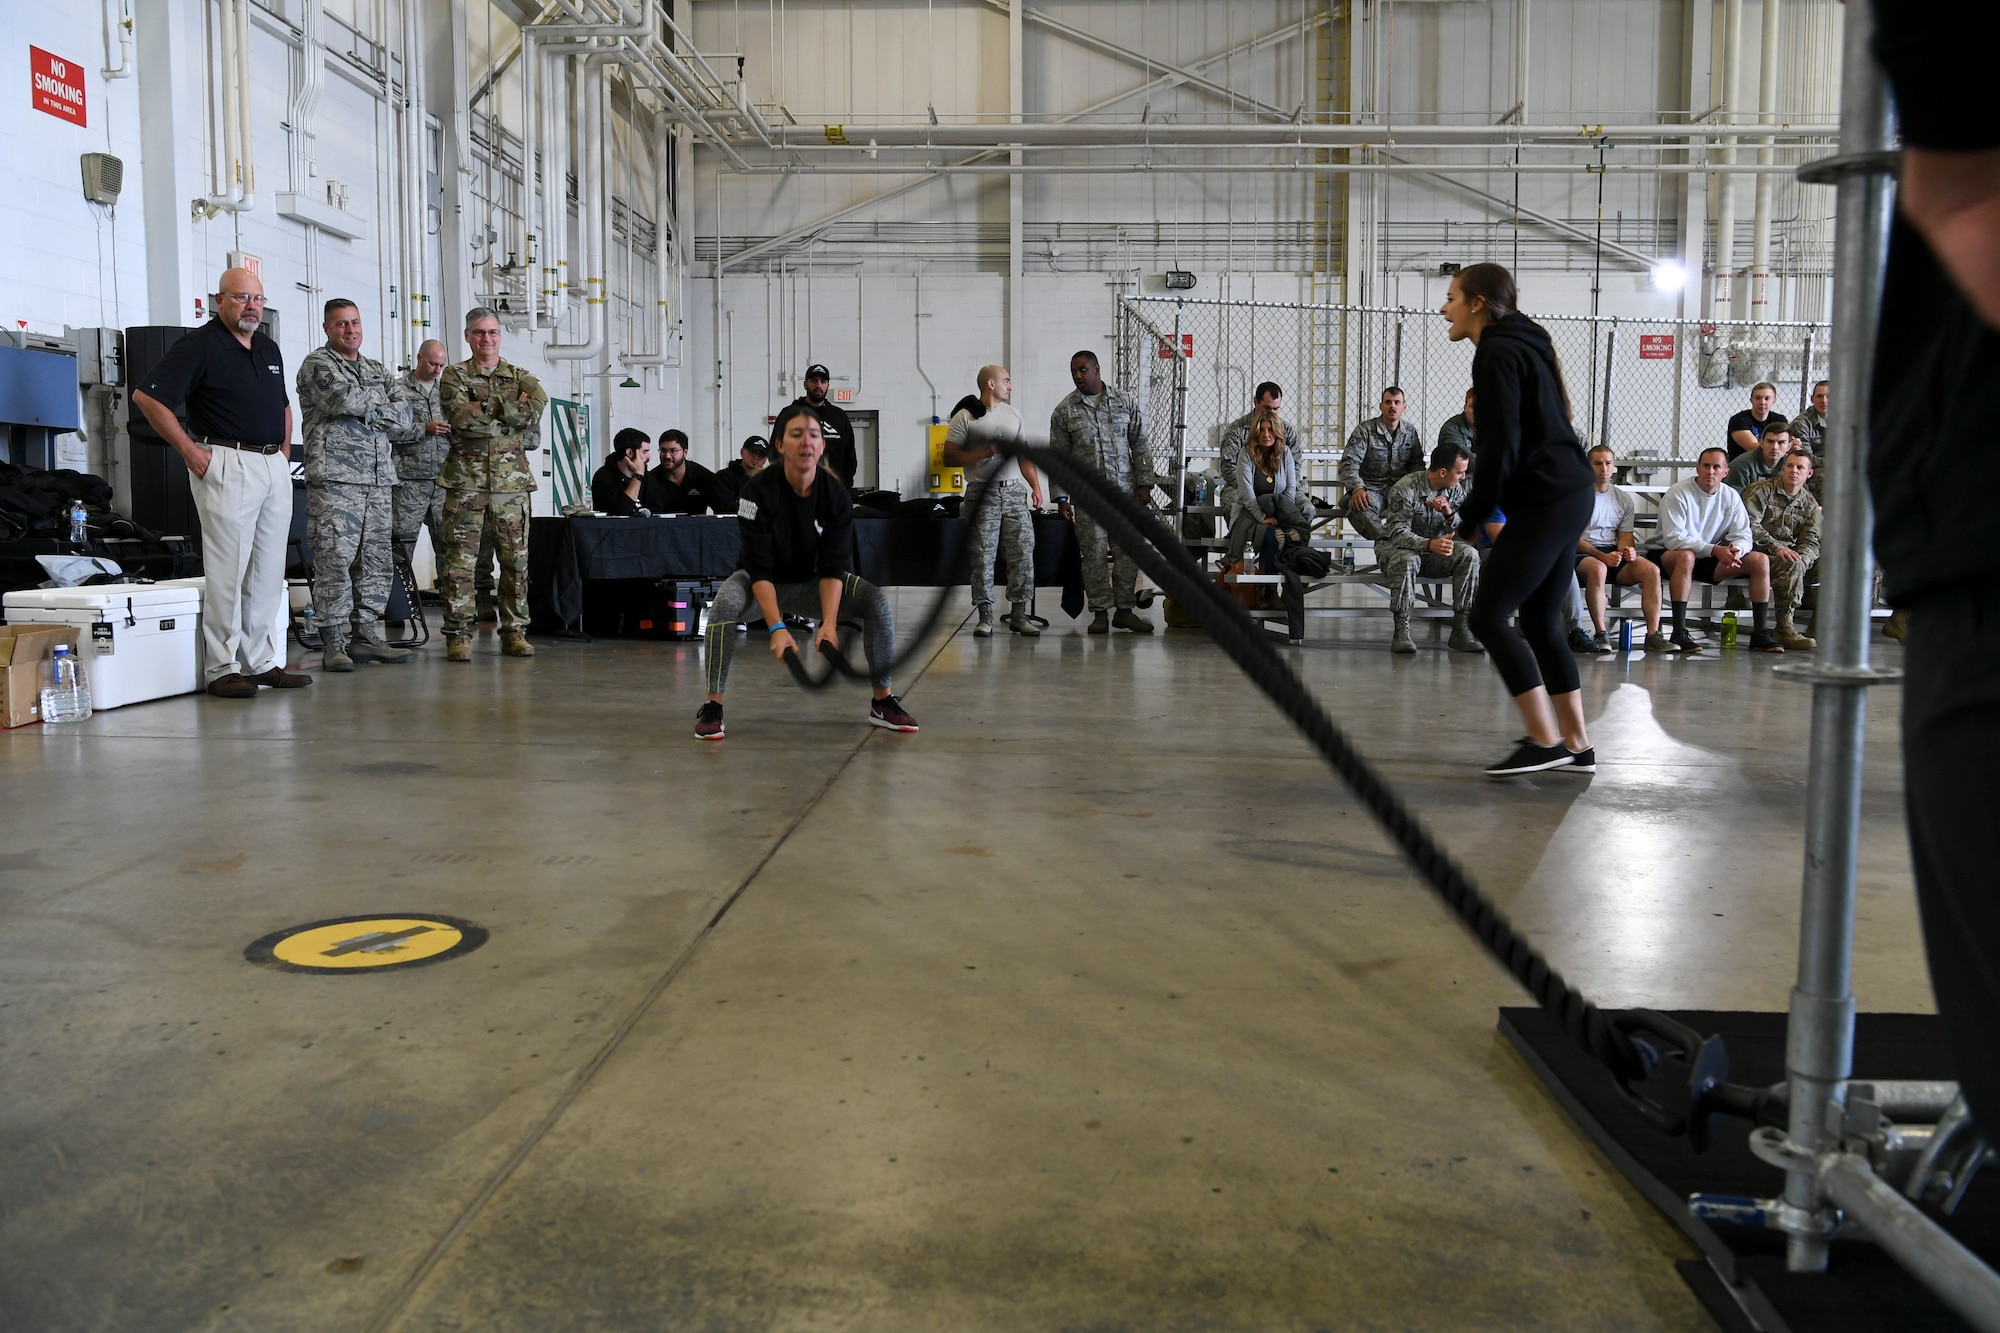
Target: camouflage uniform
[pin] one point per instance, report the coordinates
(1778, 520)
(420, 458)
(1375, 459)
(1005, 518)
(350, 409)
(1407, 523)
(487, 481)
(1110, 437)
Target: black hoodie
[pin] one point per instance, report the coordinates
(1528, 452)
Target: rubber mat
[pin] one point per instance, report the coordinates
(1744, 1284)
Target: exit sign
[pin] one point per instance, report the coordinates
(843, 395)
(1656, 347)
(57, 86)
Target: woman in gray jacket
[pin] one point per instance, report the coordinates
(1264, 492)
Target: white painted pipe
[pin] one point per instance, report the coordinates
(1127, 134)
(312, 71)
(592, 188)
(1724, 293)
(1767, 107)
(246, 133)
(662, 203)
(416, 205)
(117, 39)
(229, 189)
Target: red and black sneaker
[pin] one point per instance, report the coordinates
(708, 721)
(888, 712)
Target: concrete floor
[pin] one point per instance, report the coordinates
(1096, 1006)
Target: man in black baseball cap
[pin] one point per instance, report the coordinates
(727, 487)
(838, 431)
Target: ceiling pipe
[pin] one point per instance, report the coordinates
(1137, 134)
(245, 136)
(930, 169)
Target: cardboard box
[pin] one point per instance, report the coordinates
(23, 650)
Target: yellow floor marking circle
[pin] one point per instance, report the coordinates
(366, 943)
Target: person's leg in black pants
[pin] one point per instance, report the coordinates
(1951, 760)
(1529, 572)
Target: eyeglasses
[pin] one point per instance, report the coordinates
(242, 298)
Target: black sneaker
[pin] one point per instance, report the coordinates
(1584, 760)
(889, 713)
(1579, 642)
(1529, 757)
(708, 721)
(1604, 646)
(1684, 643)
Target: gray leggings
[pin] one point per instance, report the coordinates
(859, 600)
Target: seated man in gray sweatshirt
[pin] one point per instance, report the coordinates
(1705, 534)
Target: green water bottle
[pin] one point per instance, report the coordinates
(1728, 629)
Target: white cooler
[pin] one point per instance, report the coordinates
(138, 641)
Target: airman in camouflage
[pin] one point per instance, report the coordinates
(1784, 525)
(1415, 541)
(350, 405)
(420, 455)
(493, 409)
(1100, 426)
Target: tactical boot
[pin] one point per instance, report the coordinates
(1790, 638)
(1892, 628)
(1128, 619)
(1399, 639)
(1100, 623)
(1461, 637)
(1022, 621)
(514, 643)
(984, 629)
(333, 655)
(458, 647)
(369, 646)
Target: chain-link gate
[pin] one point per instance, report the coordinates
(1657, 391)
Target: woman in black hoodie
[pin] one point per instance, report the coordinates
(1532, 467)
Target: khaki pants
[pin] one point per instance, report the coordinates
(245, 505)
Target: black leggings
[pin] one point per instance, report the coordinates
(1532, 569)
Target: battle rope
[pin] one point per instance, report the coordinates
(1632, 1049)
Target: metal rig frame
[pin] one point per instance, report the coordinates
(1844, 1146)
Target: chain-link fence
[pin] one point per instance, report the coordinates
(1658, 391)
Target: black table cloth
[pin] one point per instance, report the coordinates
(905, 550)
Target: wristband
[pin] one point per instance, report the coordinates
(775, 628)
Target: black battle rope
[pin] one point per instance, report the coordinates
(1630, 1048)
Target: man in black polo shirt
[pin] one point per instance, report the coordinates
(679, 485)
(237, 446)
(614, 487)
(796, 522)
(839, 431)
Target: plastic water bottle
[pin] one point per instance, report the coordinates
(66, 697)
(1728, 629)
(79, 524)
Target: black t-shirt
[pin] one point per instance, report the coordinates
(793, 538)
(727, 488)
(607, 491)
(232, 392)
(838, 432)
(662, 495)
(1744, 421)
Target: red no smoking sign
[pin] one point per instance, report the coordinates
(57, 85)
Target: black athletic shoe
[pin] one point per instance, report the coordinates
(708, 721)
(1582, 761)
(1603, 646)
(1528, 757)
(889, 713)
(1582, 643)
